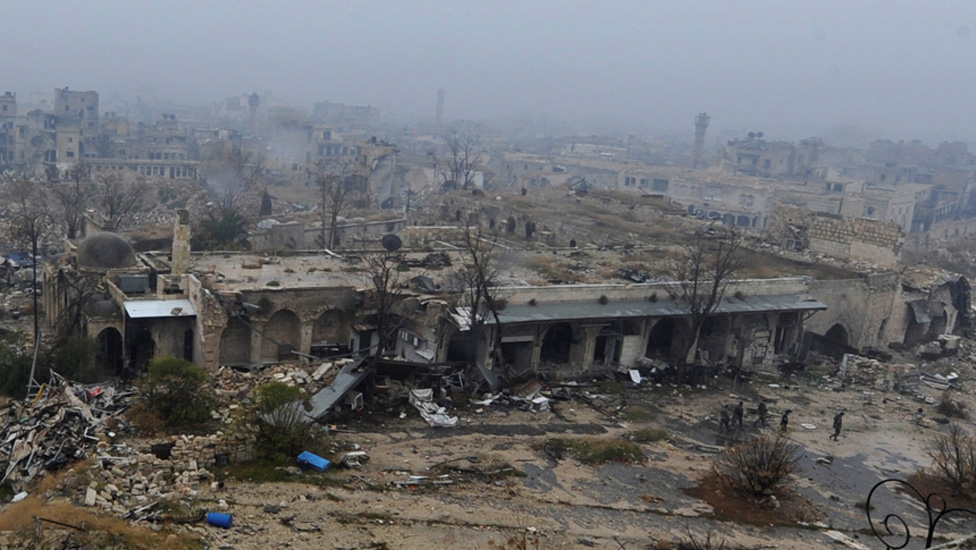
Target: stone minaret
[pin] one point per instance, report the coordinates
(701, 125)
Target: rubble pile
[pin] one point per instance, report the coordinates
(235, 386)
(61, 424)
(124, 477)
(865, 371)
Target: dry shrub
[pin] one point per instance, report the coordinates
(144, 419)
(951, 408)
(954, 459)
(596, 450)
(758, 466)
(100, 530)
(701, 543)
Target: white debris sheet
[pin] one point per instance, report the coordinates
(437, 417)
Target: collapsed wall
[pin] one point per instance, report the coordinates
(857, 239)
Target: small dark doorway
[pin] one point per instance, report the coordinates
(556, 343)
(142, 351)
(110, 351)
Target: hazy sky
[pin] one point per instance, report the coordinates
(789, 68)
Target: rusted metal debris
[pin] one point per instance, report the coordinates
(60, 424)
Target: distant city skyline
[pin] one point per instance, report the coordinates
(869, 69)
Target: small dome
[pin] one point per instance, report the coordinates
(104, 308)
(104, 250)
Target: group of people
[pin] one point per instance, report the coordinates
(729, 417)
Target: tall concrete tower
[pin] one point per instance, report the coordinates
(701, 125)
(440, 107)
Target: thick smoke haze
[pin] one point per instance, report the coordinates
(900, 70)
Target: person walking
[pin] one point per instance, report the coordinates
(784, 421)
(737, 413)
(838, 422)
(724, 419)
(762, 412)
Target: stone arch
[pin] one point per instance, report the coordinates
(282, 333)
(556, 343)
(713, 337)
(728, 219)
(235, 343)
(743, 221)
(663, 336)
(110, 353)
(838, 333)
(330, 327)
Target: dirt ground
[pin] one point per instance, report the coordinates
(566, 504)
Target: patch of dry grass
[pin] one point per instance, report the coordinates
(99, 529)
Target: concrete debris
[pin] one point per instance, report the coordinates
(59, 425)
(354, 459)
(436, 417)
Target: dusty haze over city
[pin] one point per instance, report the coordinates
(847, 71)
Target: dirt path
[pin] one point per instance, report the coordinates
(571, 505)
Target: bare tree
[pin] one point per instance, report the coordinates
(118, 198)
(382, 274)
(479, 294)
(70, 192)
(331, 181)
(30, 223)
(463, 162)
(712, 258)
(230, 178)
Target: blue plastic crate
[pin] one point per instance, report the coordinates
(313, 461)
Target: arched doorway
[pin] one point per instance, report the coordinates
(330, 334)
(556, 343)
(235, 343)
(660, 340)
(713, 337)
(728, 219)
(109, 355)
(743, 221)
(282, 334)
(837, 333)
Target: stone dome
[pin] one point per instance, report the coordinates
(104, 308)
(102, 251)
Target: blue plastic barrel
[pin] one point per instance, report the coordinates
(313, 461)
(220, 520)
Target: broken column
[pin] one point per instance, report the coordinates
(181, 242)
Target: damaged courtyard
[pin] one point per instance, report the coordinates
(580, 446)
(506, 471)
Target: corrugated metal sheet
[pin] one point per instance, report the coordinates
(634, 309)
(147, 309)
(348, 379)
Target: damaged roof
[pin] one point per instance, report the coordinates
(630, 309)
